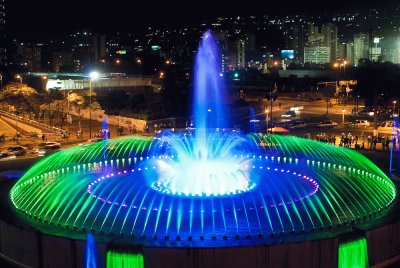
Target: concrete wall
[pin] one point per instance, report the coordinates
(33, 249)
(125, 122)
(384, 243)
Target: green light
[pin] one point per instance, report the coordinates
(55, 189)
(236, 75)
(353, 253)
(121, 52)
(124, 259)
(155, 47)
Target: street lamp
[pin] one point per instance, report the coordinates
(336, 66)
(358, 97)
(19, 77)
(394, 107)
(343, 110)
(140, 67)
(93, 76)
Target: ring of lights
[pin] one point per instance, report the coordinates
(289, 195)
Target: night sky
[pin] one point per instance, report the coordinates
(47, 18)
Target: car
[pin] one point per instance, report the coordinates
(46, 147)
(50, 145)
(95, 139)
(289, 114)
(360, 123)
(327, 123)
(15, 150)
(6, 156)
(297, 107)
(297, 124)
(366, 112)
(387, 126)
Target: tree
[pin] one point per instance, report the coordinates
(115, 102)
(19, 94)
(375, 83)
(56, 107)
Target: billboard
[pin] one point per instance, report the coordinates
(287, 54)
(315, 39)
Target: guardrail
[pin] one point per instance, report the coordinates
(34, 123)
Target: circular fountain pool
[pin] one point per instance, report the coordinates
(290, 187)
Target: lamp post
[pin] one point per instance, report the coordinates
(140, 67)
(336, 66)
(93, 76)
(18, 76)
(394, 107)
(358, 96)
(343, 110)
(117, 62)
(344, 70)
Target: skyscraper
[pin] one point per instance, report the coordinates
(329, 31)
(361, 47)
(317, 54)
(241, 54)
(2, 33)
(295, 38)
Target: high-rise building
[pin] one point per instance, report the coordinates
(222, 39)
(29, 56)
(315, 50)
(312, 29)
(99, 47)
(250, 40)
(241, 54)
(361, 47)
(3, 42)
(329, 31)
(295, 38)
(317, 54)
(375, 52)
(346, 52)
(392, 55)
(341, 51)
(350, 53)
(60, 60)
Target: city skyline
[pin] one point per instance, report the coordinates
(38, 20)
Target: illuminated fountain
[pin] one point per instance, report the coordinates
(204, 162)
(207, 187)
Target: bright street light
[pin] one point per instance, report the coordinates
(394, 107)
(140, 67)
(343, 110)
(19, 77)
(93, 76)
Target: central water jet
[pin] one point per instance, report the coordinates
(204, 161)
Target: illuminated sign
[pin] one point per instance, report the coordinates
(155, 47)
(287, 54)
(121, 52)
